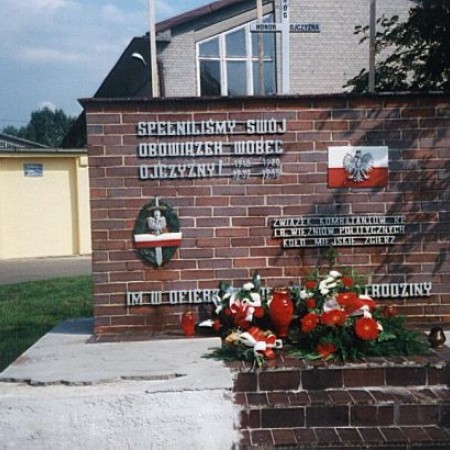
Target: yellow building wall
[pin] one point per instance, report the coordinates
(44, 215)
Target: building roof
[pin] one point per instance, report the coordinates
(13, 144)
(197, 13)
(10, 143)
(130, 76)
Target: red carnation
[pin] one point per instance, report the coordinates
(347, 281)
(333, 317)
(259, 312)
(346, 298)
(325, 349)
(240, 319)
(309, 322)
(310, 285)
(351, 302)
(366, 328)
(310, 303)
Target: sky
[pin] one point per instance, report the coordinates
(53, 52)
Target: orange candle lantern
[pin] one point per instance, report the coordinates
(188, 323)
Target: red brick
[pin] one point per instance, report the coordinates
(262, 438)
(283, 417)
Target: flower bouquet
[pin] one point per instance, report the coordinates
(337, 320)
(240, 317)
(332, 319)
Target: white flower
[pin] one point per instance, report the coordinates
(256, 299)
(328, 280)
(248, 286)
(324, 291)
(335, 274)
(331, 304)
(332, 285)
(217, 303)
(366, 311)
(303, 295)
(234, 299)
(249, 316)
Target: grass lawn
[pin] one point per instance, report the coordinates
(29, 310)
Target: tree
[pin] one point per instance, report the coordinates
(418, 51)
(46, 127)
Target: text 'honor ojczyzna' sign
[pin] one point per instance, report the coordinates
(362, 167)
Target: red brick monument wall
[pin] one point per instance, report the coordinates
(256, 186)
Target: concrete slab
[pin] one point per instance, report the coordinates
(67, 393)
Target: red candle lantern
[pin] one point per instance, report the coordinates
(281, 311)
(188, 323)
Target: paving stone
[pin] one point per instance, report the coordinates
(284, 437)
(261, 437)
(320, 397)
(299, 398)
(256, 398)
(327, 435)
(393, 434)
(364, 377)
(279, 380)
(415, 434)
(362, 397)
(329, 416)
(370, 416)
(306, 436)
(321, 379)
(349, 436)
(283, 417)
(278, 398)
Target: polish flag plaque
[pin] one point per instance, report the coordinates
(157, 233)
(359, 167)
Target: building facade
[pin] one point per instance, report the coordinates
(212, 51)
(44, 206)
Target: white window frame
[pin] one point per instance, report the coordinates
(249, 59)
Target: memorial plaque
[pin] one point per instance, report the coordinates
(206, 157)
(338, 231)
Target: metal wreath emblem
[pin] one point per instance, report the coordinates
(157, 233)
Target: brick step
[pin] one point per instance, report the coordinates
(346, 408)
(369, 396)
(318, 438)
(295, 375)
(379, 403)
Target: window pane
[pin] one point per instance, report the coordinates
(268, 41)
(210, 48)
(268, 44)
(235, 43)
(237, 78)
(209, 78)
(269, 78)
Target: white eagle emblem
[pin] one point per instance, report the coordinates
(358, 166)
